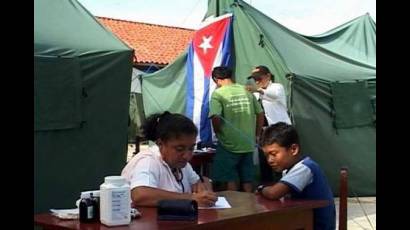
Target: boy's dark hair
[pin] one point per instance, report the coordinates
(280, 133)
(167, 125)
(221, 72)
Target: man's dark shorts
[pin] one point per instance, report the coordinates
(232, 167)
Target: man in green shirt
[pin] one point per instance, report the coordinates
(237, 120)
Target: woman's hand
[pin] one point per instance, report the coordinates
(205, 198)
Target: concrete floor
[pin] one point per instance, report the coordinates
(361, 212)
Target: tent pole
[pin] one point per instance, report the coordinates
(217, 8)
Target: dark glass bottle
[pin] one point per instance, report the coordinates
(95, 198)
(86, 208)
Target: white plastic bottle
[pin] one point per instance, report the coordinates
(115, 201)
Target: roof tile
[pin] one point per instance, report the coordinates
(153, 44)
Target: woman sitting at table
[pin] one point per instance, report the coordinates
(162, 171)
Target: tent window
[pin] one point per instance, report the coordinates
(352, 105)
(57, 93)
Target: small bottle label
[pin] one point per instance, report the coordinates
(90, 212)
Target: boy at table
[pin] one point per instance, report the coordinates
(302, 177)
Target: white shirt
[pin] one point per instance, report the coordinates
(274, 103)
(147, 168)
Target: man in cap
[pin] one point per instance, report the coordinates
(273, 99)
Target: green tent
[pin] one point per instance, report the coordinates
(330, 87)
(82, 78)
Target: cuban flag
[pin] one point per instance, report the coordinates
(210, 47)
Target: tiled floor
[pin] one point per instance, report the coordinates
(361, 212)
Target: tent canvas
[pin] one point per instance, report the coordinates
(336, 127)
(82, 78)
(355, 39)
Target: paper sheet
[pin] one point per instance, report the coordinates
(65, 213)
(220, 203)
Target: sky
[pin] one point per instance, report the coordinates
(308, 17)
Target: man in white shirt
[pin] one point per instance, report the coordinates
(272, 95)
(273, 99)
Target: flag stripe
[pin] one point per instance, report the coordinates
(226, 46)
(205, 127)
(190, 86)
(198, 92)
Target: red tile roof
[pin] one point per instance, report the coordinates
(153, 44)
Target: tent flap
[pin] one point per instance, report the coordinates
(352, 109)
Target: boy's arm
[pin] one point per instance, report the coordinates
(215, 109)
(275, 191)
(216, 123)
(295, 180)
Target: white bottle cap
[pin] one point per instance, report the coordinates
(118, 180)
(85, 195)
(96, 193)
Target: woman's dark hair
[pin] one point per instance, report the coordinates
(280, 133)
(167, 125)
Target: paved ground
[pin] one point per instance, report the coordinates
(361, 212)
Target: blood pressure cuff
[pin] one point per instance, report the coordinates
(177, 210)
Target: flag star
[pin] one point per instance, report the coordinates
(206, 43)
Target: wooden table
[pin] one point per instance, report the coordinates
(249, 211)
